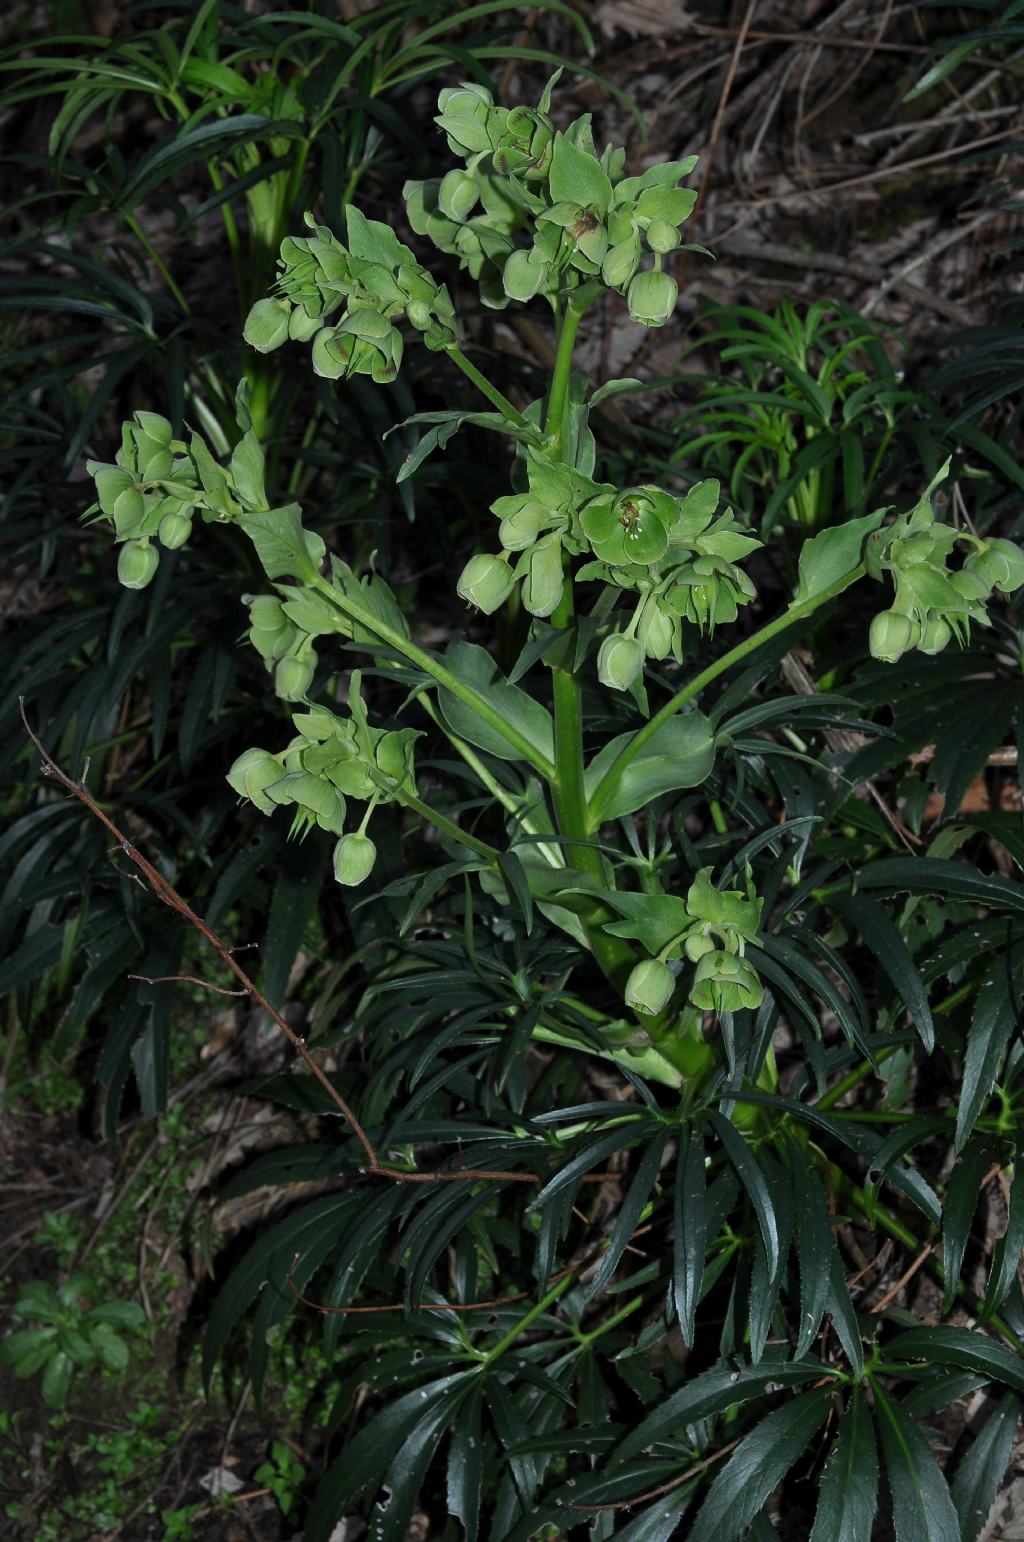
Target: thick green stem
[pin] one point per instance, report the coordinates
(483, 385)
(799, 612)
(437, 671)
(614, 954)
(556, 418)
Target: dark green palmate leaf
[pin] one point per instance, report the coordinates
(848, 1496)
(758, 1466)
(409, 1428)
(882, 938)
(713, 1392)
(962, 1347)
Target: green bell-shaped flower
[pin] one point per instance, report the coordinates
(458, 195)
(652, 298)
(649, 987)
(486, 582)
(523, 517)
(999, 564)
(621, 262)
(463, 113)
(544, 582)
(354, 858)
(252, 773)
(655, 630)
(137, 563)
(630, 527)
(175, 529)
(293, 676)
(935, 634)
(725, 983)
(267, 325)
(661, 237)
(620, 659)
(525, 274)
(522, 143)
(890, 635)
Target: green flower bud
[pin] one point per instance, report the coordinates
(266, 612)
(462, 113)
(252, 773)
(175, 530)
(655, 631)
(652, 298)
(418, 314)
(137, 564)
(302, 328)
(457, 196)
(620, 263)
(649, 987)
(890, 635)
(293, 677)
(661, 237)
(486, 582)
(315, 800)
(521, 528)
(266, 326)
(523, 276)
(915, 548)
(619, 660)
(542, 589)
(1013, 556)
(725, 983)
(935, 634)
(354, 857)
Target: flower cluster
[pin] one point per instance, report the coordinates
(712, 928)
(678, 556)
(676, 553)
(375, 278)
(933, 602)
(535, 526)
(158, 483)
(283, 628)
(330, 761)
(581, 216)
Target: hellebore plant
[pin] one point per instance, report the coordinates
(621, 576)
(627, 590)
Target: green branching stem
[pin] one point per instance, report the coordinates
(537, 1310)
(483, 385)
(614, 954)
(442, 823)
(797, 612)
(438, 673)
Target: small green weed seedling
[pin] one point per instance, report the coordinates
(68, 1334)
